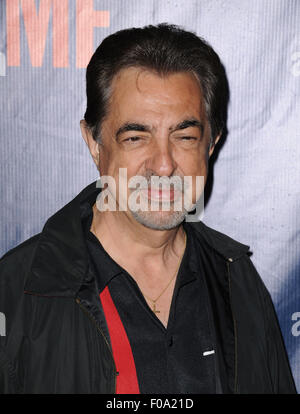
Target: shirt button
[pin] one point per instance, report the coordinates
(170, 343)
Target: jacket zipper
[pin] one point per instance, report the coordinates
(98, 328)
(230, 260)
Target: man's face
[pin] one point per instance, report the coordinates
(156, 126)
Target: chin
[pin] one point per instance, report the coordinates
(159, 220)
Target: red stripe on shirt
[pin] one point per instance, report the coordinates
(127, 382)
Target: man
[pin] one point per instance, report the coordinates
(110, 298)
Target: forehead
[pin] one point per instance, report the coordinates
(141, 92)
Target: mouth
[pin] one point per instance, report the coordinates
(158, 194)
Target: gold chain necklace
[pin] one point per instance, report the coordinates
(166, 287)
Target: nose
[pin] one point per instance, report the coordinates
(161, 160)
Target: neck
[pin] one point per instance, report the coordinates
(116, 232)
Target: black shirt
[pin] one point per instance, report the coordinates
(179, 359)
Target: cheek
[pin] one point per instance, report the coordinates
(204, 166)
(194, 164)
(194, 167)
(104, 163)
(111, 162)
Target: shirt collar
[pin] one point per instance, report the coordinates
(190, 265)
(104, 265)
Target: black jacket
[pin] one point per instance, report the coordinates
(56, 335)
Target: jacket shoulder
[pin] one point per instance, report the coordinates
(17, 260)
(226, 246)
(22, 248)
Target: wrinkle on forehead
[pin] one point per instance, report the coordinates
(136, 78)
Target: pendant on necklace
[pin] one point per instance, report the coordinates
(154, 308)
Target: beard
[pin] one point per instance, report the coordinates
(159, 220)
(160, 213)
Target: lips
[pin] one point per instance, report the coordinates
(156, 194)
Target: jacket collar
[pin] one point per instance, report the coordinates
(61, 263)
(224, 245)
(61, 258)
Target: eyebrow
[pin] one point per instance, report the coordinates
(133, 126)
(187, 123)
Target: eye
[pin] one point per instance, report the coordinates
(132, 139)
(188, 138)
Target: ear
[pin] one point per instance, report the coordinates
(90, 142)
(211, 149)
